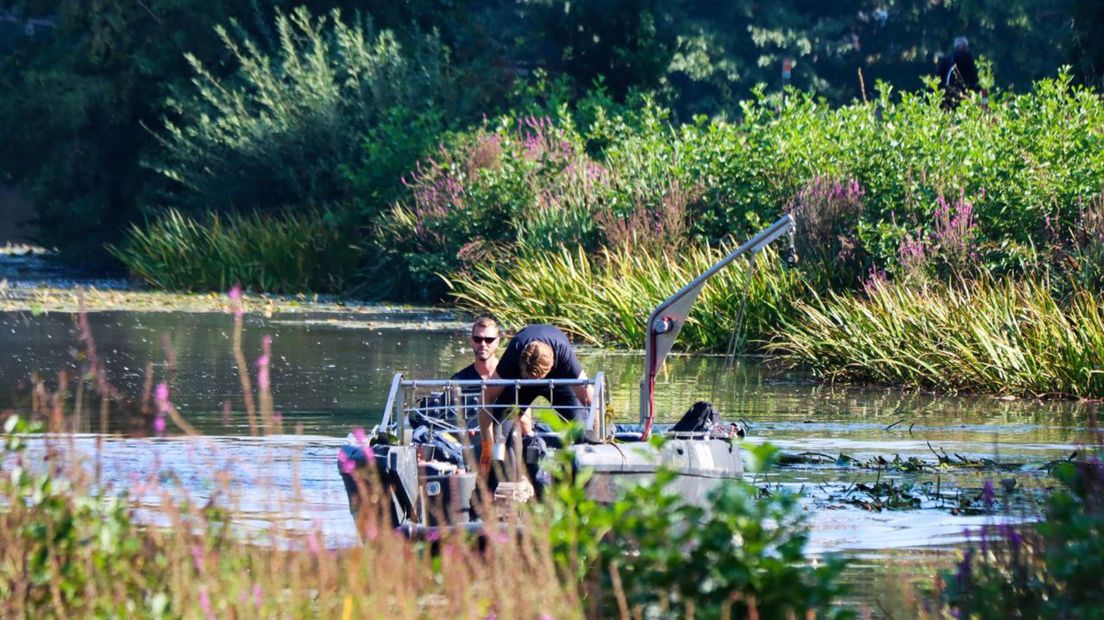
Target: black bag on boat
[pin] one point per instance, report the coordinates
(699, 419)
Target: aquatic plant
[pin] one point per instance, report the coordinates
(287, 253)
(998, 336)
(605, 299)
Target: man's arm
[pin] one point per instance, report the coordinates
(585, 393)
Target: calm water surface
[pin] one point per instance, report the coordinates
(330, 374)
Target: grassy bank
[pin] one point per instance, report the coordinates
(311, 252)
(1003, 337)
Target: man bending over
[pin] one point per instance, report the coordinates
(538, 352)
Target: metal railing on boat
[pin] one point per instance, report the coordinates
(436, 401)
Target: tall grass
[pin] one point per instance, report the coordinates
(605, 298)
(289, 253)
(71, 549)
(1002, 336)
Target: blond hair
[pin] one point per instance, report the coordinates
(484, 321)
(535, 360)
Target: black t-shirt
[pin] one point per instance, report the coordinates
(564, 366)
(468, 373)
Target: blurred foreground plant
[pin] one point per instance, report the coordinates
(652, 553)
(1050, 569)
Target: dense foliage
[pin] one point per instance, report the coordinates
(285, 130)
(86, 89)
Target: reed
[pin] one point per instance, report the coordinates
(289, 253)
(997, 336)
(604, 298)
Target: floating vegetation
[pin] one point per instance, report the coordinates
(898, 483)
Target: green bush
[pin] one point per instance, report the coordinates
(292, 128)
(276, 253)
(959, 188)
(653, 554)
(525, 185)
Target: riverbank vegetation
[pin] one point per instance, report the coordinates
(287, 253)
(314, 150)
(1002, 337)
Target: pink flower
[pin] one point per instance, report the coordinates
(162, 393)
(205, 602)
(263, 361)
(347, 464)
(257, 592)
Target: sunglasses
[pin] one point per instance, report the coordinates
(484, 339)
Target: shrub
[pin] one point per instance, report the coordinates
(290, 127)
(825, 211)
(525, 186)
(283, 253)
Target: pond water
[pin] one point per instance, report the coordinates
(331, 372)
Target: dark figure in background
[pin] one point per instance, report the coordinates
(958, 74)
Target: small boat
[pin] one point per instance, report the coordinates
(423, 454)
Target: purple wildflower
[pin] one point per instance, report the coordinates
(987, 495)
(875, 279)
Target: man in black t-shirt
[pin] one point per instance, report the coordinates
(541, 352)
(484, 340)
